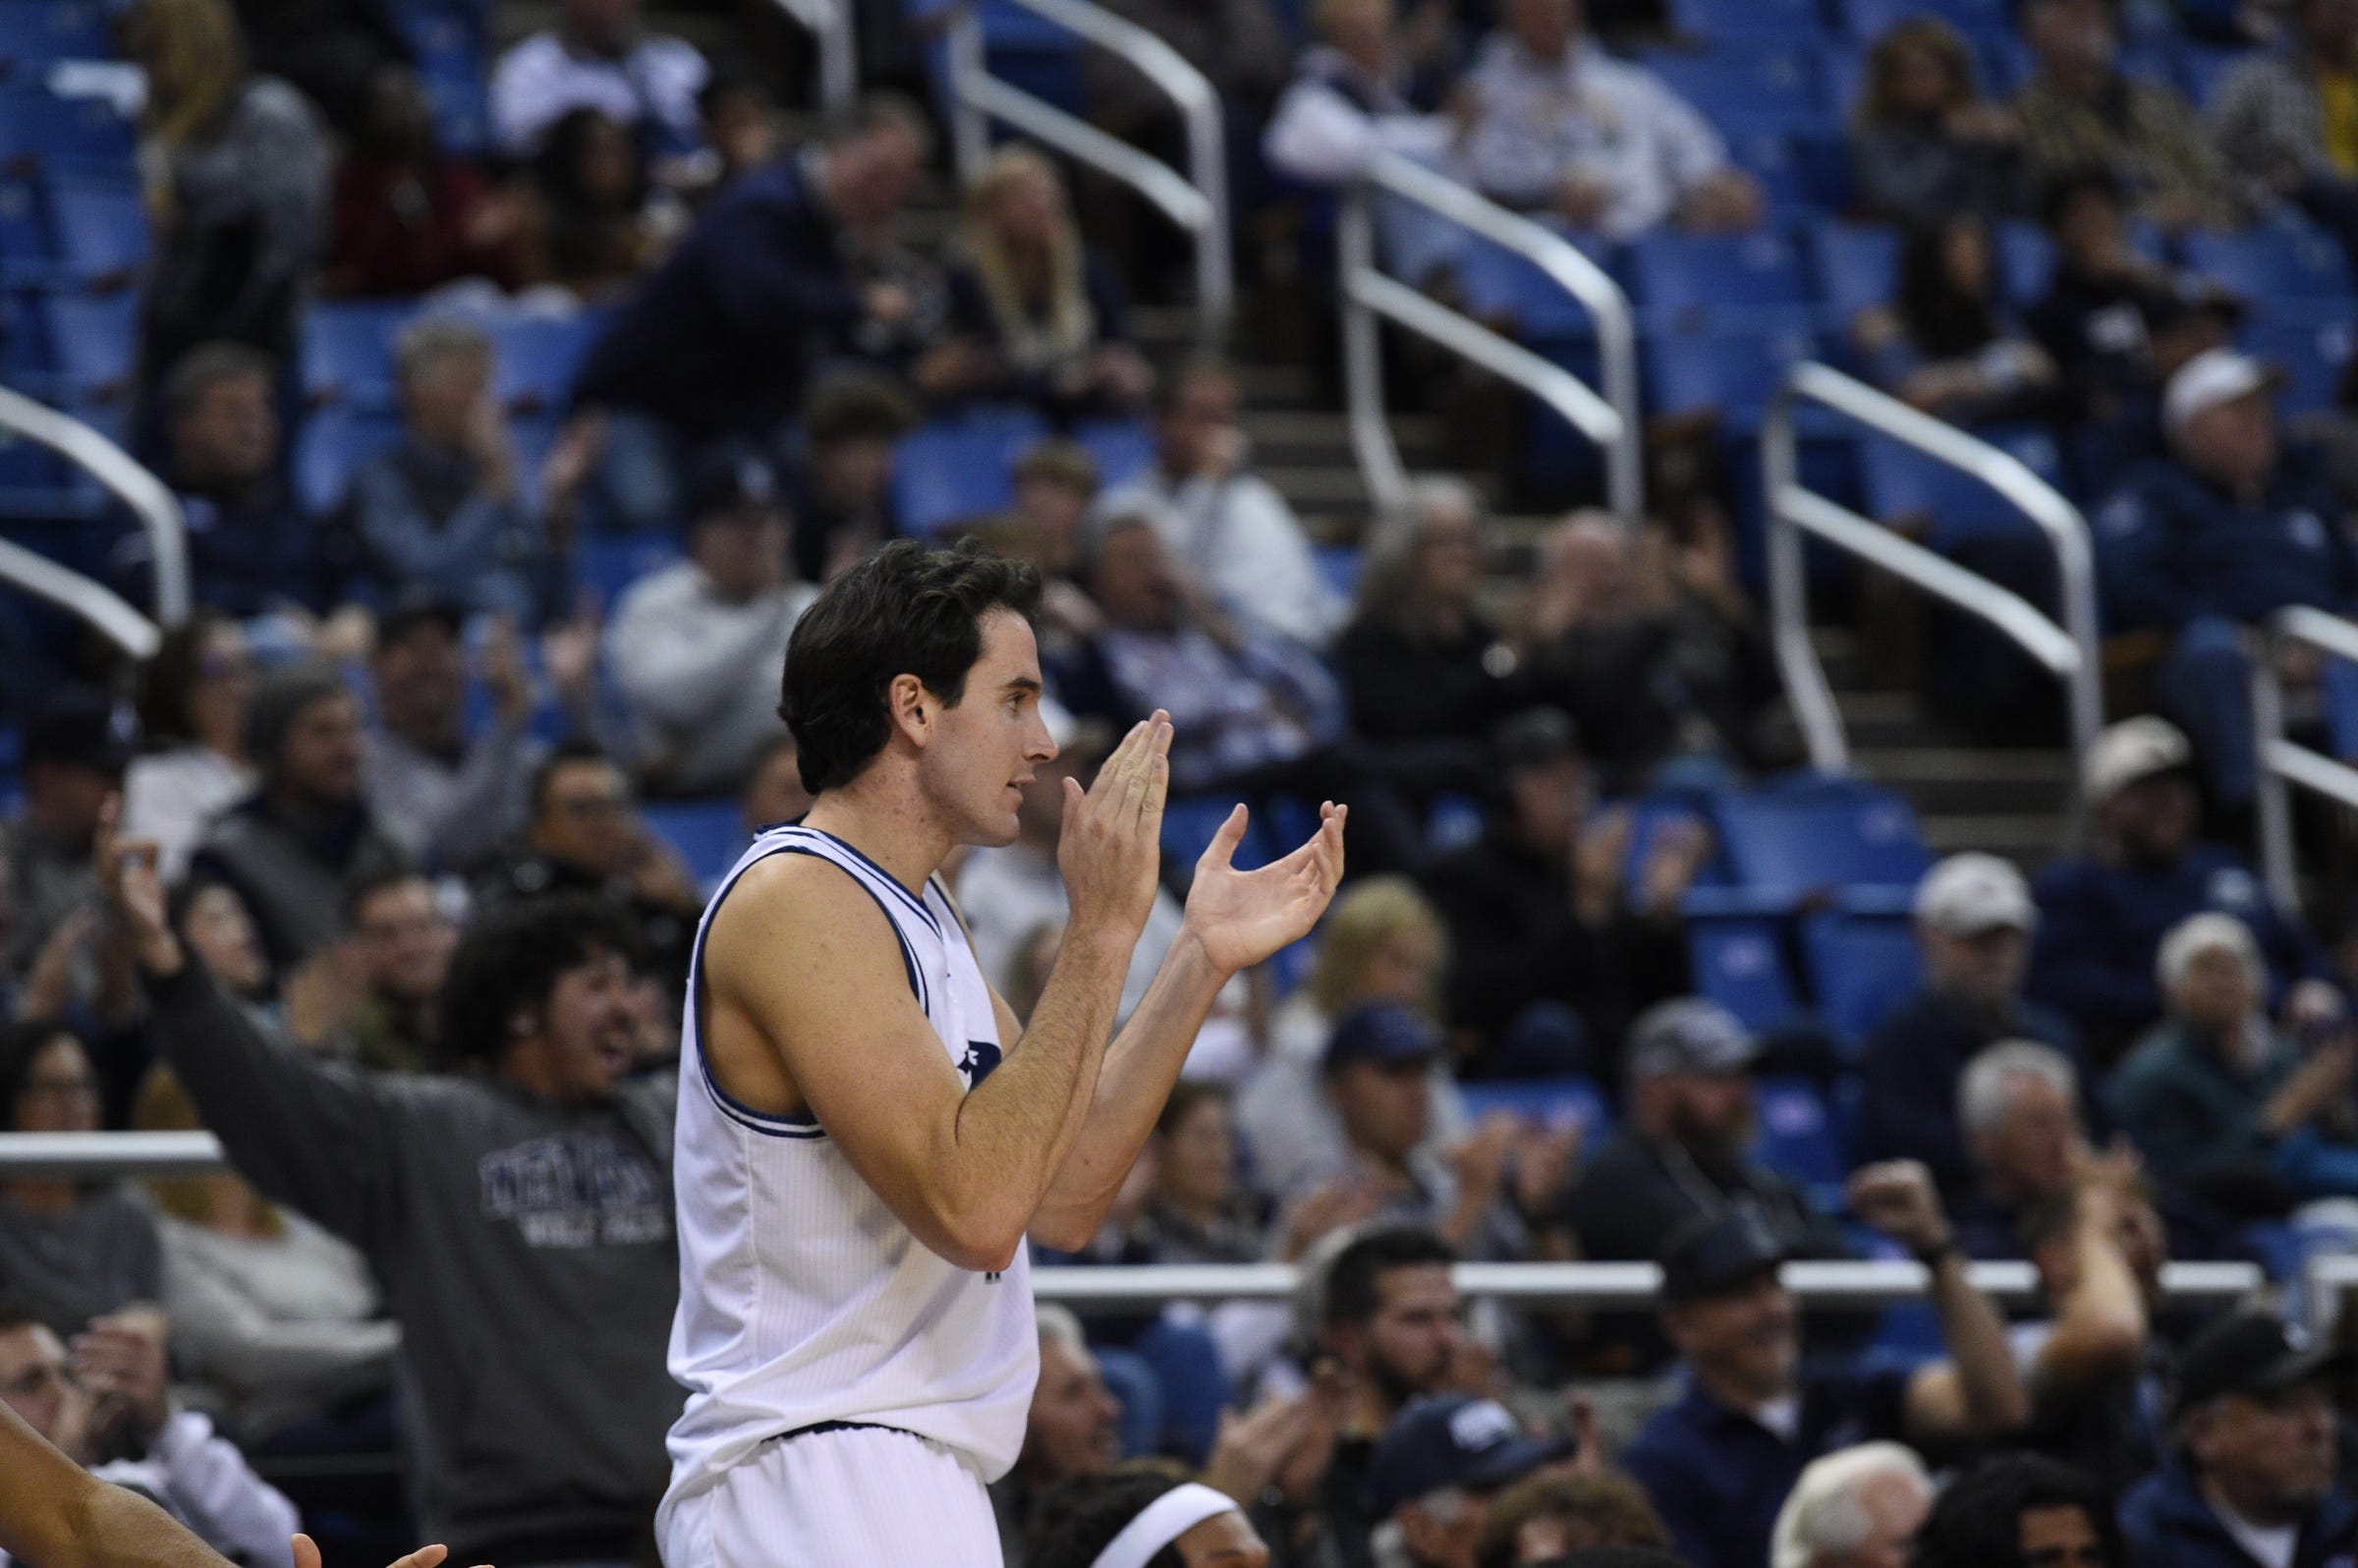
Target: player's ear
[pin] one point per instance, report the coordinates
(907, 702)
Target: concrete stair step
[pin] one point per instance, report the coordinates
(2029, 839)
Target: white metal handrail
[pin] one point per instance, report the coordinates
(2066, 650)
(150, 500)
(2283, 761)
(1195, 200)
(1610, 419)
(829, 22)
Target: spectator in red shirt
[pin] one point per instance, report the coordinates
(407, 217)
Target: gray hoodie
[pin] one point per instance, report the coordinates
(525, 1248)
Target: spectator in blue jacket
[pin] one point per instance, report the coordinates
(2222, 1101)
(2102, 916)
(2218, 539)
(439, 511)
(2254, 1479)
(251, 547)
(1974, 920)
(781, 272)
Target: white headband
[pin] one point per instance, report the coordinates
(1161, 1522)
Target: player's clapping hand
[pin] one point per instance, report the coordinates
(1243, 917)
(306, 1556)
(1111, 847)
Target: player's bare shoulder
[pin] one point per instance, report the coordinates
(798, 915)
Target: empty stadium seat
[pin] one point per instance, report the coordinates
(1856, 267)
(34, 32)
(1739, 962)
(2273, 265)
(1898, 481)
(1763, 79)
(1738, 19)
(1124, 448)
(1499, 285)
(1804, 836)
(1869, 19)
(710, 835)
(94, 339)
(25, 252)
(1188, 824)
(347, 351)
(951, 472)
(1573, 1099)
(1733, 370)
(1800, 1134)
(102, 228)
(1700, 279)
(1861, 968)
(39, 126)
(331, 444)
(539, 356)
(2311, 353)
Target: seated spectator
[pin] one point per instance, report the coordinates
(277, 1320)
(1227, 527)
(1056, 484)
(2022, 1511)
(330, 50)
(1035, 316)
(1948, 343)
(1546, 1518)
(2080, 110)
(841, 495)
(2115, 323)
(71, 757)
(2218, 1098)
(1428, 676)
(192, 717)
(73, 1250)
(1146, 1516)
(598, 57)
(2018, 1114)
(2282, 121)
(696, 647)
(739, 119)
(405, 944)
(1388, 1311)
(2254, 1477)
(1925, 144)
(289, 848)
(2227, 531)
(213, 922)
(1073, 1427)
(583, 834)
(592, 225)
(773, 791)
(109, 1405)
(242, 164)
(251, 547)
(1651, 646)
(1683, 1150)
(1559, 124)
(1853, 1508)
(1195, 1210)
(440, 512)
(1974, 920)
(1555, 950)
(1349, 102)
(2102, 916)
(1437, 1468)
(1379, 942)
(543, 1166)
(448, 799)
(723, 338)
(408, 216)
(1720, 1461)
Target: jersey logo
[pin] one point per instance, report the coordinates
(981, 1057)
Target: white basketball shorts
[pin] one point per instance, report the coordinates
(857, 1495)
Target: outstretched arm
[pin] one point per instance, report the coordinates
(1234, 919)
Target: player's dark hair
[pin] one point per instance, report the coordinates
(1354, 1280)
(1977, 1520)
(513, 957)
(1078, 1517)
(908, 609)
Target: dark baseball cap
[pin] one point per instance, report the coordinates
(2248, 1353)
(1713, 1253)
(730, 474)
(1454, 1440)
(1687, 1034)
(1382, 1033)
(78, 730)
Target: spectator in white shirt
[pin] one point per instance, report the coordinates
(596, 58)
(1606, 146)
(192, 710)
(698, 646)
(1228, 528)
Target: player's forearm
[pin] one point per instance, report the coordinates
(111, 1528)
(1141, 1066)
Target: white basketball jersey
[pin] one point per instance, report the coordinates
(803, 1300)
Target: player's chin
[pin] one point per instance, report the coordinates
(994, 829)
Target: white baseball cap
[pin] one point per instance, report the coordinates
(2132, 749)
(2208, 379)
(1966, 895)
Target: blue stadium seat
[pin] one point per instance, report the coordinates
(1766, 146)
(1766, 80)
(102, 236)
(1739, 962)
(1123, 448)
(34, 32)
(1800, 1134)
(1499, 285)
(1651, 813)
(1861, 968)
(36, 124)
(1898, 481)
(2200, 69)
(93, 338)
(1698, 278)
(1869, 19)
(1731, 20)
(1856, 267)
(951, 472)
(1794, 838)
(708, 835)
(1189, 823)
(2273, 265)
(2311, 353)
(25, 252)
(2026, 258)
(347, 351)
(331, 444)
(538, 355)
(1572, 1099)
(605, 564)
(1733, 370)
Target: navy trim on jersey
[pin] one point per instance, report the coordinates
(883, 875)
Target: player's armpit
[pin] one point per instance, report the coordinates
(800, 964)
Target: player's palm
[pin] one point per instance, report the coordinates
(1243, 917)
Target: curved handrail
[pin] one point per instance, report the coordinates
(1202, 210)
(2067, 649)
(150, 500)
(1610, 419)
(94, 603)
(831, 22)
(2283, 761)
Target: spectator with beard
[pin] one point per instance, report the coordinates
(404, 945)
(2022, 1511)
(251, 547)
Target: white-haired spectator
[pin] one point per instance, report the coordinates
(2217, 1095)
(2018, 1115)
(1974, 918)
(1853, 1508)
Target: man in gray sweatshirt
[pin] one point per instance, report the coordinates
(517, 1215)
